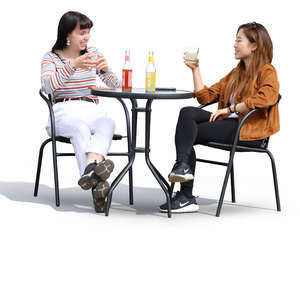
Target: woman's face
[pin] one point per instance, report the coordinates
(79, 38)
(242, 47)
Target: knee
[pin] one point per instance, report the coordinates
(105, 125)
(110, 123)
(186, 112)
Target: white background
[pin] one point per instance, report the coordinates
(250, 252)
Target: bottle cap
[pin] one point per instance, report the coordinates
(127, 55)
(151, 58)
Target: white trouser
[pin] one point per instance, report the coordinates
(87, 126)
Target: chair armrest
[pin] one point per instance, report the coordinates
(237, 134)
(204, 105)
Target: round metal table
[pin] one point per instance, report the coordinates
(134, 95)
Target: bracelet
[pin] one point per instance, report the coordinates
(234, 108)
(229, 107)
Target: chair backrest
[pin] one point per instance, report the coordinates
(47, 99)
(279, 98)
(265, 142)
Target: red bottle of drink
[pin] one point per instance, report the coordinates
(127, 73)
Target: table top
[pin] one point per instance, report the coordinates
(139, 93)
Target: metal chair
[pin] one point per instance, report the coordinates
(53, 139)
(233, 148)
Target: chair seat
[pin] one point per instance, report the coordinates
(228, 147)
(67, 140)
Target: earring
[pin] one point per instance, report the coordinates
(68, 43)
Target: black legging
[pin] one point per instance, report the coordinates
(193, 128)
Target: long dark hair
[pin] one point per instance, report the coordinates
(241, 81)
(66, 25)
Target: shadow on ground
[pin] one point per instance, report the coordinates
(73, 199)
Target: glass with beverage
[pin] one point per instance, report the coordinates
(191, 54)
(93, 58)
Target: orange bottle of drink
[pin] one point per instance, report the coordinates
(127, 73)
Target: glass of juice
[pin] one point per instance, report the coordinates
(191, 54)
(94, 57)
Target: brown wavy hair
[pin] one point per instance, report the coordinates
(242, 81)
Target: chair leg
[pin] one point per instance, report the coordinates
(130, 187)
(275, 180)
(39, 167)
(171, 189)
(38, 172)
(232, 185)
(55, 172)
(228, 170)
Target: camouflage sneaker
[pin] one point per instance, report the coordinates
(89, 179)
(104, 169)
(99, 196)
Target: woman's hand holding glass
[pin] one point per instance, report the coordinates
(83, 61)
(191, 57)
(101, 63)
(191, 64)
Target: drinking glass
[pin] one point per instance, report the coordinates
(191, 54)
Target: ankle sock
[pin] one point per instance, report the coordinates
(92, 160)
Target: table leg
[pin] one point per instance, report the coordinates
(131, 158)
(160, 179)
(115, 183)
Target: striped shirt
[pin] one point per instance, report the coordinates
(60, 80)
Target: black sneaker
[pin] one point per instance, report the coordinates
(180, 203)
(104, 169)
(88, 180)
(181, 172)
(99, 193)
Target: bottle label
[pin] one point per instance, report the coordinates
(150, 80)
(127, 79)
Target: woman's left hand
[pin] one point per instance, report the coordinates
(101, 64)
(220, 112)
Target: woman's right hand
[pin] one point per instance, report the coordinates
(83, 61)
(192, 65)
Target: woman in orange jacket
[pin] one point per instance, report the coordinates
(251, 84)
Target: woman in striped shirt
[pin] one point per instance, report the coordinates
(68, 71)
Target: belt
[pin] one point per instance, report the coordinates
(72, 99)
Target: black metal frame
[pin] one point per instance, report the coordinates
(235, 148)
(149, 97)
(53, 139)
(160, 179)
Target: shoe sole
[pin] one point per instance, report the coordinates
(186, 209)
(99, 196)
(88, 181)
(104, 169)
(180, 178)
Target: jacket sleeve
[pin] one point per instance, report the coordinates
(268, 90)
(51, 77)
(211, 94)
